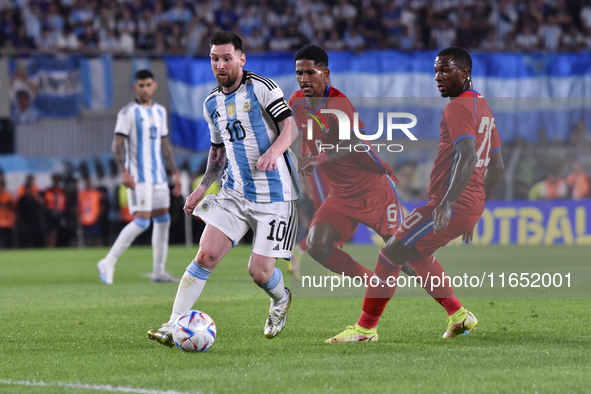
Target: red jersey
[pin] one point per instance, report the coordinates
(466, 116)
(354, 175)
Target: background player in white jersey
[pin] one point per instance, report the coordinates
(142, 150)
(250, 125)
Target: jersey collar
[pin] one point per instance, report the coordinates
(242, 82)
(323, 99)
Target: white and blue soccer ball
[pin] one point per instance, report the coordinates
(194, 331)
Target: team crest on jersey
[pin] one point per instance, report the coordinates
(247, 106)
(231, 110)
(319, 120)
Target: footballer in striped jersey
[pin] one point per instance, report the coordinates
(251, 131)
(142, 151)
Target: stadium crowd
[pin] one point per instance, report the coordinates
(178, 27)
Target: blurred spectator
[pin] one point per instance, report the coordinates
(126, 43)
(103, 221)
(29, 181)
(89, 211)
(81, 17)
(503, 18)
(55, 204)
(550, 33)
(525, 171)
(54, 20)
(526, 39)
(370, 28)
(29, 213)
(249, 21)
(89, 41)
(181, 14)
(585, 16)
(406, 41)
(334, 42)
(578, 182)
(23, 112)
(7, 217)
(109, 43)
(147, 27)
(126, 24)
(176, 42)
(278, 41)
(354, 40)
(573, 39)
(71, 189)
(552, 187)
(225, 17)
(443, 35)
(391, 21)
(256, 42)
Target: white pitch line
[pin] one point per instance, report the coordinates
(99, 387)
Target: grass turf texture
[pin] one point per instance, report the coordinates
(60, 324)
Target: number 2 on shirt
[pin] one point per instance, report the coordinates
(486, 126)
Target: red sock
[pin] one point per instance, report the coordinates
(340, 262)
(376, 298)
(431, 272)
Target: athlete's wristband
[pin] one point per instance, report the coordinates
(322, 158)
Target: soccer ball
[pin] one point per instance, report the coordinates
(194, 331)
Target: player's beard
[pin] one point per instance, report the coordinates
(228, 82)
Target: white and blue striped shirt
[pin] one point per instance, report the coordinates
(144, 128)
(246, 123)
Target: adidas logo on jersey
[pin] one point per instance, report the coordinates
(276, 247)
(217, 115)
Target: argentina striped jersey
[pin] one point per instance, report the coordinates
(246, 123)
(144, 127)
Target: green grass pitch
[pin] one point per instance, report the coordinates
(61, 325)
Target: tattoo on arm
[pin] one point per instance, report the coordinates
(167, 155)
(118, 150)
(215, 164)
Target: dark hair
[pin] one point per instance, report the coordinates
(226, 37)
(459, 54)
(143, 74)
(314, 53)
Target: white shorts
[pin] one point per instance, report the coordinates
(147, 197)
(274, 224)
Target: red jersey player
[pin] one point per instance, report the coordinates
(469, 145)
(316, 188)
(361, 184)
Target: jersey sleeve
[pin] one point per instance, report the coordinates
(458, 116)
(215, 135)
(495, 140)
(124, 122)
(271, 97)
(164, 116)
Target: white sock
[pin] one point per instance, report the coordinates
(190, 289)
(275, 287)
(160, 234)
(127, 236)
